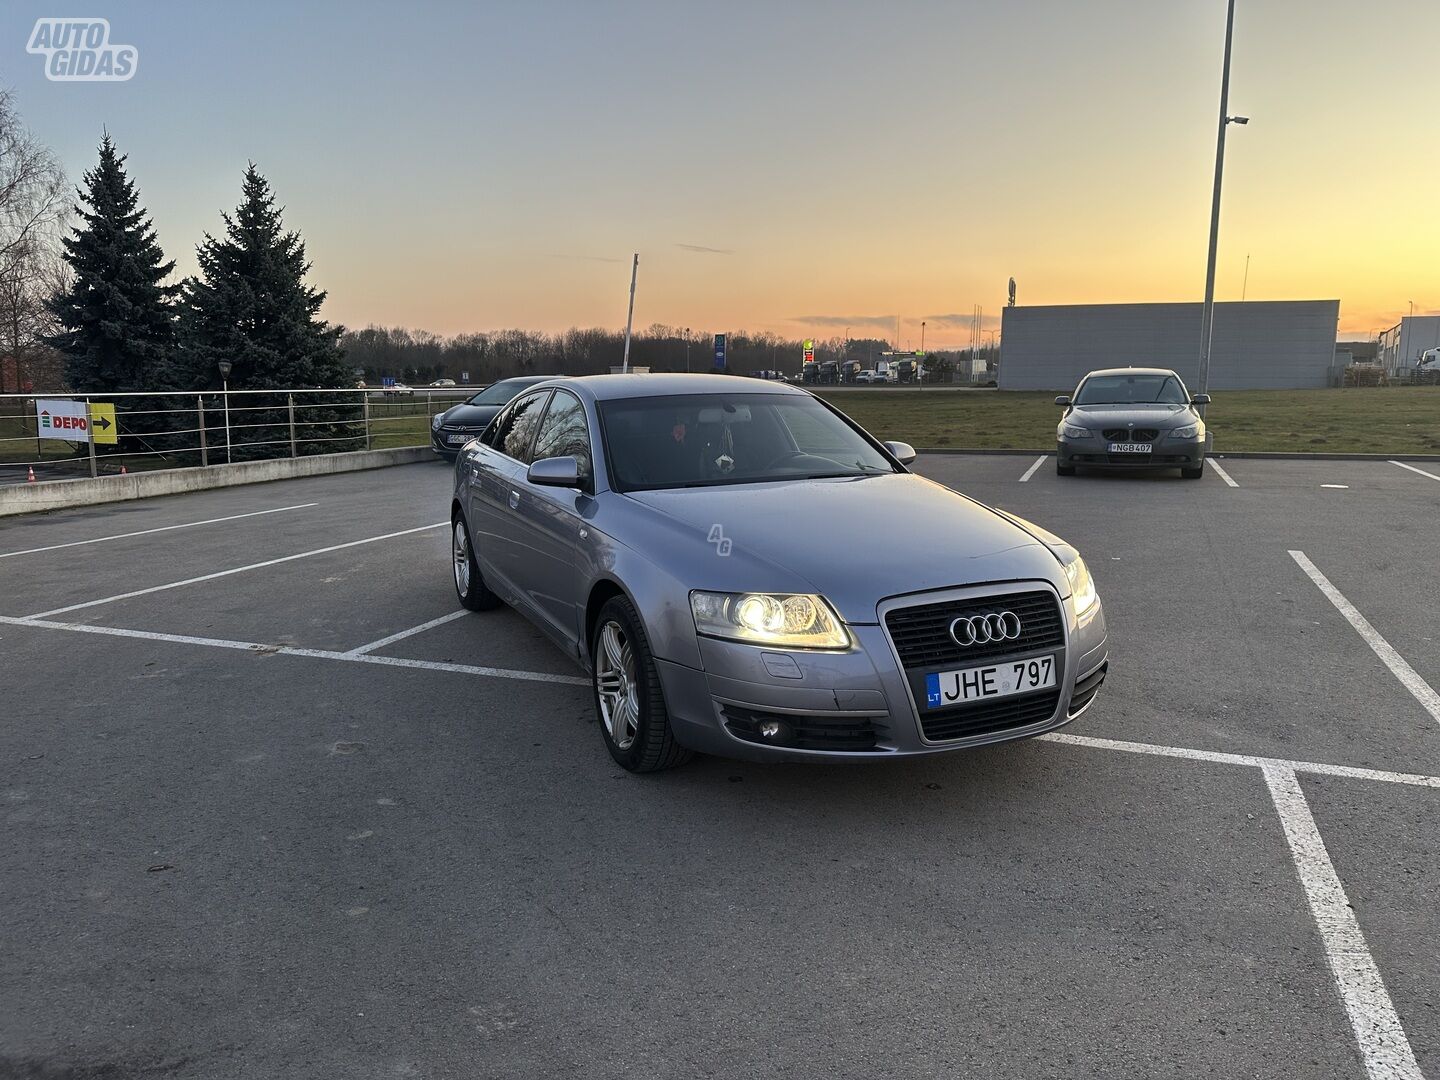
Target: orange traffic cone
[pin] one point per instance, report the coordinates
(32, 474)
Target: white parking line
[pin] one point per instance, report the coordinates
(1383, 1045)
(1220, 471)
(361, 650)
(1350, 772)
(235, 570)
(1412, 468)
(291, 650)
(1423, 692)
(1031, 471)
(1220, 757)
(147, 532)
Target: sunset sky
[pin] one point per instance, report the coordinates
(801, 167)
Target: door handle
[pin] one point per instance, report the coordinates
(514, 500)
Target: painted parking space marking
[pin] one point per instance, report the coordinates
(163, 528)
(291, 650)
(1338, 487)
(1422, 691)
(1220, 472)
(1413, 469)
(1383, 1046)
(361, 650)
(235, 570)
(1031, 471)
(1220, 757)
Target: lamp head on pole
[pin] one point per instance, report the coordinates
(1241, 120)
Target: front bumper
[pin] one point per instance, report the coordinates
(851, 705)
(439, 441)
(1167, 454)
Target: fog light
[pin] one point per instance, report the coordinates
(771, 729)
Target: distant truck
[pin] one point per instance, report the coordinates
(810, 373)
(849, 371)
(909, 371)
(1427, 368)
(829, 373)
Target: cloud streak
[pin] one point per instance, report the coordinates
(880, 321)
(701, 249)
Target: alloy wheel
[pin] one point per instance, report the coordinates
(615, 686)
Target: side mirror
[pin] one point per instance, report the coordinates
(1200, 399)
(902, 452)
(554, 472)
(1063, 399)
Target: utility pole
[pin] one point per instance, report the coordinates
(1207, 320)
(630, 318)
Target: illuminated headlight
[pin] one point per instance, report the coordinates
(436, 421)
(1082, 588)
(1075, 432)
(1190, 432)
(795, 620)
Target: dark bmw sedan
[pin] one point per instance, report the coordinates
(1131, 418)
(452, 429)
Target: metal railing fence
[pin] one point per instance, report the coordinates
(175, 430)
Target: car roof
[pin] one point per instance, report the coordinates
(1132, 371)
(644, 384)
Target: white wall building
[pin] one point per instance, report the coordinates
(1402, 344)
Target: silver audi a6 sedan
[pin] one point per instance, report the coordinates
(745, 572)
(1131, 418)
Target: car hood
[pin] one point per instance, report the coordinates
(1163, 417)
(471, 415)
(855, 541)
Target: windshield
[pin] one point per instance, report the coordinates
(704, 440)
(498, 393)
(1131, 390)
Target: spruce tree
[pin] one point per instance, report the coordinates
(118, 316)
(250, 305)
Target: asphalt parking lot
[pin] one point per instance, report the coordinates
(274, 807)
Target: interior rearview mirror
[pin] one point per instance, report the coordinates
(554, 472)
(902, 452)
(1063, 399)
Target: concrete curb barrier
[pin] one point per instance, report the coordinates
(60, 494)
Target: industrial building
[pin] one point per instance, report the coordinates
(1402, 344)
(1258, 344)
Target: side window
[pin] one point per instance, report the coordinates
(564, 433)
(515, 428)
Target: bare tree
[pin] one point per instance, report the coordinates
(32, 214)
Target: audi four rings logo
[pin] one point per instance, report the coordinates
(983, 629)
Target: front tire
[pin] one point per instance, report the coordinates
(628, 697)
(1063, 470)
(470, 587)
(1194, 474)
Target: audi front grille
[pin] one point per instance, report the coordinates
(922, 640)
(922, 634)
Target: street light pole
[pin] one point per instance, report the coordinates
(225, 367)
(634, 270)
(1207, 322)
(687, 350)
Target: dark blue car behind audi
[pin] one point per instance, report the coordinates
(452, 429)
